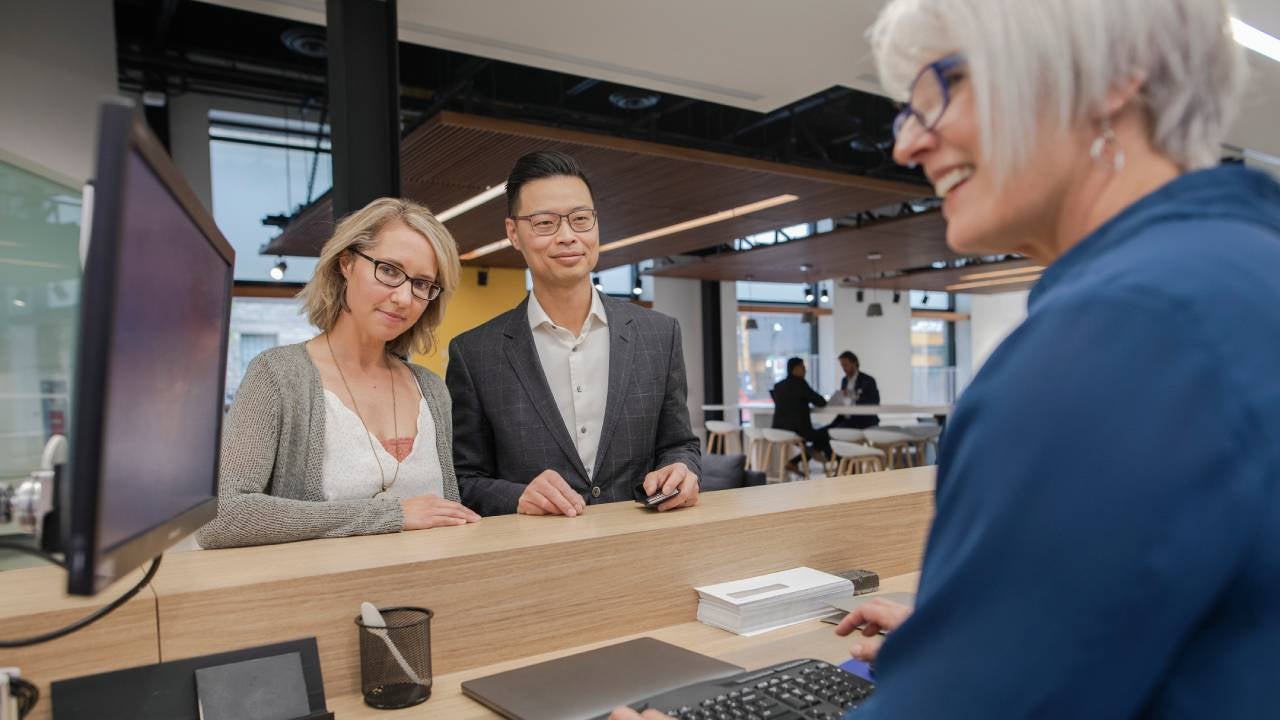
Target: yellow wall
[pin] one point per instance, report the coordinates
(472, 305)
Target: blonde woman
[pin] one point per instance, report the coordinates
(340, 435)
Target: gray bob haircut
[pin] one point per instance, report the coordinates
(324, 297)
(1057, 59)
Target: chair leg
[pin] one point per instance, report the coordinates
(804, 460)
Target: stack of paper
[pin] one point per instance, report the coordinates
(767, 602)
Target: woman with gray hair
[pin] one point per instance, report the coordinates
(1107, 536)
(340, 435)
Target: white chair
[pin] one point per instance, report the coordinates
(896, 444)
(854, 458)
(718, 432)
(783, 441)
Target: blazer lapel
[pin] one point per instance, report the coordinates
(621, 356)
(523, 356)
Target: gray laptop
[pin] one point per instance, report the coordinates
(590, 684)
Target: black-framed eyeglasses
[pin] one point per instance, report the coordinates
(548, 223)
(394, 276)
(930, 93)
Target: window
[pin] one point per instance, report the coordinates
(259, 324)
(765, 341)
(260, 166)
(756, 292)
(932, 362)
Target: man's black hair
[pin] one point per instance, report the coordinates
(537, 165)
(793, 363)
(846, 355)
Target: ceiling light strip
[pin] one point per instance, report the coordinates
(472, 202)
(991, 283)
(1001, 273)
(739, 211)
(1255, 39)
(483, 250)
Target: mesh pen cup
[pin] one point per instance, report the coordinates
(395, 661)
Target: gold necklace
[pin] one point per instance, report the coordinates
(395, 429)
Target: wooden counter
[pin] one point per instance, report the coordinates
(813, 639)
(504, 589)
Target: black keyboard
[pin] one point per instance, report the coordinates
(794, 690)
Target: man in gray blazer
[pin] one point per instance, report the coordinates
(572, 398)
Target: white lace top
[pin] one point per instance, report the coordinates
(350, 472)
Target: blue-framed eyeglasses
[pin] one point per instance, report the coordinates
(930, 93)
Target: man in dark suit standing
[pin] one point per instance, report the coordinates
(572, 398)
(859, 388)
(792, 398)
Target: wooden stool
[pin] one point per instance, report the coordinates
(896, 444)
(922, 436)
(783, 441)
(854, 458)
(848, 435)
(718, 432)
(755, 447)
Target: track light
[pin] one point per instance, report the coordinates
(637, 290)
(595, 280)
(825, 296)
(896, 296)
(859, 296)
(277, 270)
(808, 293)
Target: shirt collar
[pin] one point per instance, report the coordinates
(539, 317)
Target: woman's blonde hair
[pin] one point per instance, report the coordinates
(324, 297)
(1061, 57)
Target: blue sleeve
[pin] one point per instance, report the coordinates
(1091, 505)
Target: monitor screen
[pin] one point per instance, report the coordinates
(150, 371)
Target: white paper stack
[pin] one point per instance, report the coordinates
(767, 602)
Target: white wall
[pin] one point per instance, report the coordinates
(882, 344)
(58, 60)
(682, 299)
(189, 143)
(827, 382)
(991, 319)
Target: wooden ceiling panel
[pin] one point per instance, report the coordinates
(639, 187)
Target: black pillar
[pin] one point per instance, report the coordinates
(712, 350)
(364, 101)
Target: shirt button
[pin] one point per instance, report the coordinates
(595, 491)
(584, 429)
(574, 349)
(579, 388)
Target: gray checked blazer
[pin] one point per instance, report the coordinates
(507, 428)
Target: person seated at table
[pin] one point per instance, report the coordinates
(340, 435)
(1107, 535)
(856, 388)
(793, 399)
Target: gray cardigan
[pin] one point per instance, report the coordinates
(269, 480)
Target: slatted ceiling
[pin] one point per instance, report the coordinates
(914, 241)
(638, 186)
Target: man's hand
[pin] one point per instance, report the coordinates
(549, 494)
(428, 511)
(669, 478)
(622, 712)
(873, 616)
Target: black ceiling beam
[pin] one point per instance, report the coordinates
(364, 101)
(462, 81)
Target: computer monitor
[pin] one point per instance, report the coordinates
(150, 364)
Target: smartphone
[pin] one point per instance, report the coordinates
(654, 501)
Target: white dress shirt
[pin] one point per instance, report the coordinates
(576, 365)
